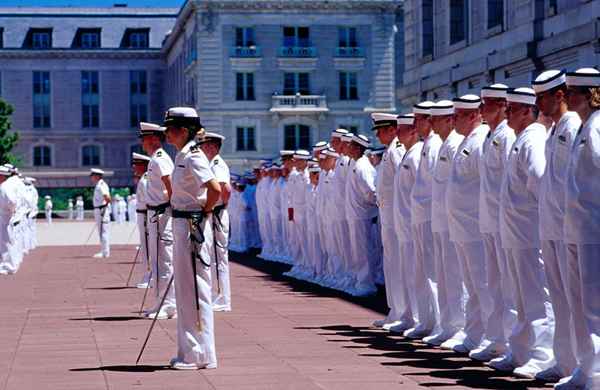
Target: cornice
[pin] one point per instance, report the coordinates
(314, 5)
(70, 54)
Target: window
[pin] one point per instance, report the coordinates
(294, 83)
(245, 139)
(347, 37)
(138, 97)
(458, 21)
(552, 7)
(90, 155)
(244, 37)
(90, 99)
(41, 156)
(427, 33)
(296, 37)
(495, 12)
(136, 38)
(87, 38)
(244, 86)
(41, 99)
(41, 38)
(348, 86)
(296, 137)
(1, 37)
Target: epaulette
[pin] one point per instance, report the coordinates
(216, 161)
(465, 152)
(195, 149)
(159, 153)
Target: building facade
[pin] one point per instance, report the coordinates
(273, 75)
(453, 47)
(80, 80)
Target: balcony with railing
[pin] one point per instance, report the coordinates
(297, 51)
(245, 51)
(299, 103)
(349, 52)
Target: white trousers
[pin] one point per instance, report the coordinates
(502, 316)
(194, 345)
(392, 273)
(48, 216)
(361, 242)
(143, 233)
(449, 284)
(341, 247)
(278, 240)
(102, 218)
(9, 256)
(531, 338)
(406, 252)
(479, 302)
(220, 257)
(160, 244)
(79, 216)
(424, 276)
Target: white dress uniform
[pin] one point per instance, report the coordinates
(300, 181)
(361, 209)
(322, 227)
(19, 219)
(447, 266)
(160, 233)
(70, 209)
(551, 209)
(343, 276)
(334, 263)
(276, 220)
(102, 216)
(531, 338)
(424, 275)
(9, 263)
(262, 213)
(496, 149)
(252, 226)
(463, 220)
(142, 224)
(79, 209)
(286, 228)
(195, 345)
(582, 239)
(132, 209)
(222, 294)
(404, 181)
(32, 210)
(315, 249)
(48, 210)
(385, 187)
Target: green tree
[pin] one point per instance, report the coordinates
(8, 139)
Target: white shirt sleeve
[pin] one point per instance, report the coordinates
(165, 165)
(200, 168)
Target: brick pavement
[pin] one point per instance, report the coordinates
(68, 323)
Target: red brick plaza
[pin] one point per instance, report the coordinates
(69, 322)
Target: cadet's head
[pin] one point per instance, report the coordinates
(139, 163)
(405, 131)
(442, 117)
(466, 113)
(375, 158)
(493, 104)
(211, 143)
(314, 175)
(384, 126)
(336, 138)
(96, 175)
(422, 122)
(521, 110)
(300, 158)
(319, 147)
(550, 88)
(151, 136)
(357, 147)
(182, 126)
(583, 91)
(287, 159)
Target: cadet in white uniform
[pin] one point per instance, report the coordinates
(550, 88)
(195, 193)
(447, 266)
(404, 182)
(211, 143)
(140, 167)
(160, 234)
(299, 181)
(424, 275)
(582, 230)
(9, 264)
(79, 208)
(32, 210)
(326, 193)
(463, 219)
(70, 209)
(275, 214)
(361, 210)
(530, 349)
(385, 126)
(101, 202)
(48, 208)
(496, 148)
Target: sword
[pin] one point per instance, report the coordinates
(145, 294)
(194, 273)
(90, 235)
(132, 267)
(162, 301)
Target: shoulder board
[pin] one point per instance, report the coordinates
(181, 166)
(216, 161)
(582, 141)
(195, 149)
(562, 138)
(516, 149)
(465, 152)
(489, 134)
(495, 142)
(159, 154)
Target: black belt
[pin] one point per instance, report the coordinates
(161, 208)
(187, 214)
(195, 218)
(142, 211)
(100, 207)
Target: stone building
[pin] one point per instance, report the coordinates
(453, 47)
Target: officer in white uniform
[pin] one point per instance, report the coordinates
(582, 230)
(550, 88)
(9, 264)
(385, 126)
(195, 193)
(140, 167)
(328, 158)
(32, 199)
(70, 209)
(48, 209)
(298, 182)
(79, 208)
(463, 219)
(211, 143)
(160, 235)
(404, 182)
(496, 148)
(101, 202)
(275, 214)
(447, 265)
(425, 288)
(530, 349)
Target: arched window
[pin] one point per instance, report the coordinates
(296, 136)
(90, 155)
(42, 156)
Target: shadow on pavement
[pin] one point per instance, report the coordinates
(111, 288)
(109, 319)
(124, 368)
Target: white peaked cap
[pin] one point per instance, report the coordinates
(314, 169)
(467, 102)
(584, 77)
(406, 119)
(47, 197)
(96, 171)
(347, 137)
(383, 120)
(302, 154)
(330, 152)
(320, 146)
(139, 157)
(208, 136)
(338, 133)
(497, 91)
(521, 95)
(4, 171)
(548, 80)
(182, 112)
(423, 108)
(361, 140)
(286, 152)
(150, 127)
(442, 108)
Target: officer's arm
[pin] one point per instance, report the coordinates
(167, 181)
(225, 192)
(213, 192)
(107, 198)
